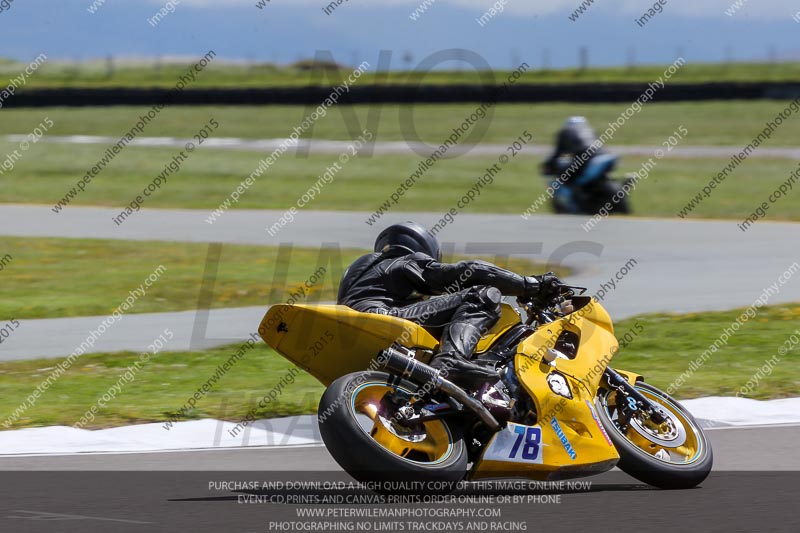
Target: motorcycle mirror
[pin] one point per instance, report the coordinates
(579, 290)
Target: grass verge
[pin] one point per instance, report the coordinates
(52, 278)
(668, 345)
(206, 179)
(664, 349)
(709, 123)
(101, 74)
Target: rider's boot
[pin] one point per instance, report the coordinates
(458, 343)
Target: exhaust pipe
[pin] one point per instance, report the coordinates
(419, 373)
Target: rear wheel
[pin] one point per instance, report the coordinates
(672, 455)
(602, 196)
(359, 429)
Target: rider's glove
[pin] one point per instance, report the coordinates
(545, 286)
(531, 286)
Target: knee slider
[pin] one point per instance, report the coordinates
(490, 298)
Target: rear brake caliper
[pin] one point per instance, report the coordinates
(410, 414)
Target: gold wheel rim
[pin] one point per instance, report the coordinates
(429, 443)
(688, 443)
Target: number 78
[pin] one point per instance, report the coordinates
(532, 438)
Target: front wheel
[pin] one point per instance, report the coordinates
(358, 426)
(672, 455)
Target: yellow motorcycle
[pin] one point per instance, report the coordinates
(559, 410)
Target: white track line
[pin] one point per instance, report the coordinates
(400, 147)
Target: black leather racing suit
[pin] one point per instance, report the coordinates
(465, 297)
(574, 140)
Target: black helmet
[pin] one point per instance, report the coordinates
(411, 237)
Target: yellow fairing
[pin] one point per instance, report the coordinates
(330, 341)
(573, 443)
(509, 317)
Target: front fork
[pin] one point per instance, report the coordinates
(630, 400)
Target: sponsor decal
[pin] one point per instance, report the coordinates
(558, 384)
(563, 439)
(599, 424)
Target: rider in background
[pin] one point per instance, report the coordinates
(574, 140)
(405, 278)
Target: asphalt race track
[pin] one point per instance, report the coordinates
(753, 488)
(681, 266)
(735, 449)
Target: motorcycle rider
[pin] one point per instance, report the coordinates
(464, 298)
(575, 139)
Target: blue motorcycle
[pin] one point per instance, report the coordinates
(591, 191)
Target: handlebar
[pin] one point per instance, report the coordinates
(546, 308)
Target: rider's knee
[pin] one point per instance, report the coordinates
(489, 299)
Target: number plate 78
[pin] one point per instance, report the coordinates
(516, 443)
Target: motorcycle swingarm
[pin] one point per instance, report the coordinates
(422, 412)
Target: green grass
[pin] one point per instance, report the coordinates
(80, 277)
(673, 183)
(666, 346)
(219, 74)
(51, 278)
(47, 172)
(669, 343)
(709, 123)
(160, 389)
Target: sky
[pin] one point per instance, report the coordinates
(284, 31)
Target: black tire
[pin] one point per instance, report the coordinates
(645, 466)
(364, 458)
(603, 193)
(559, 209)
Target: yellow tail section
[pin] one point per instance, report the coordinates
(329, 341)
